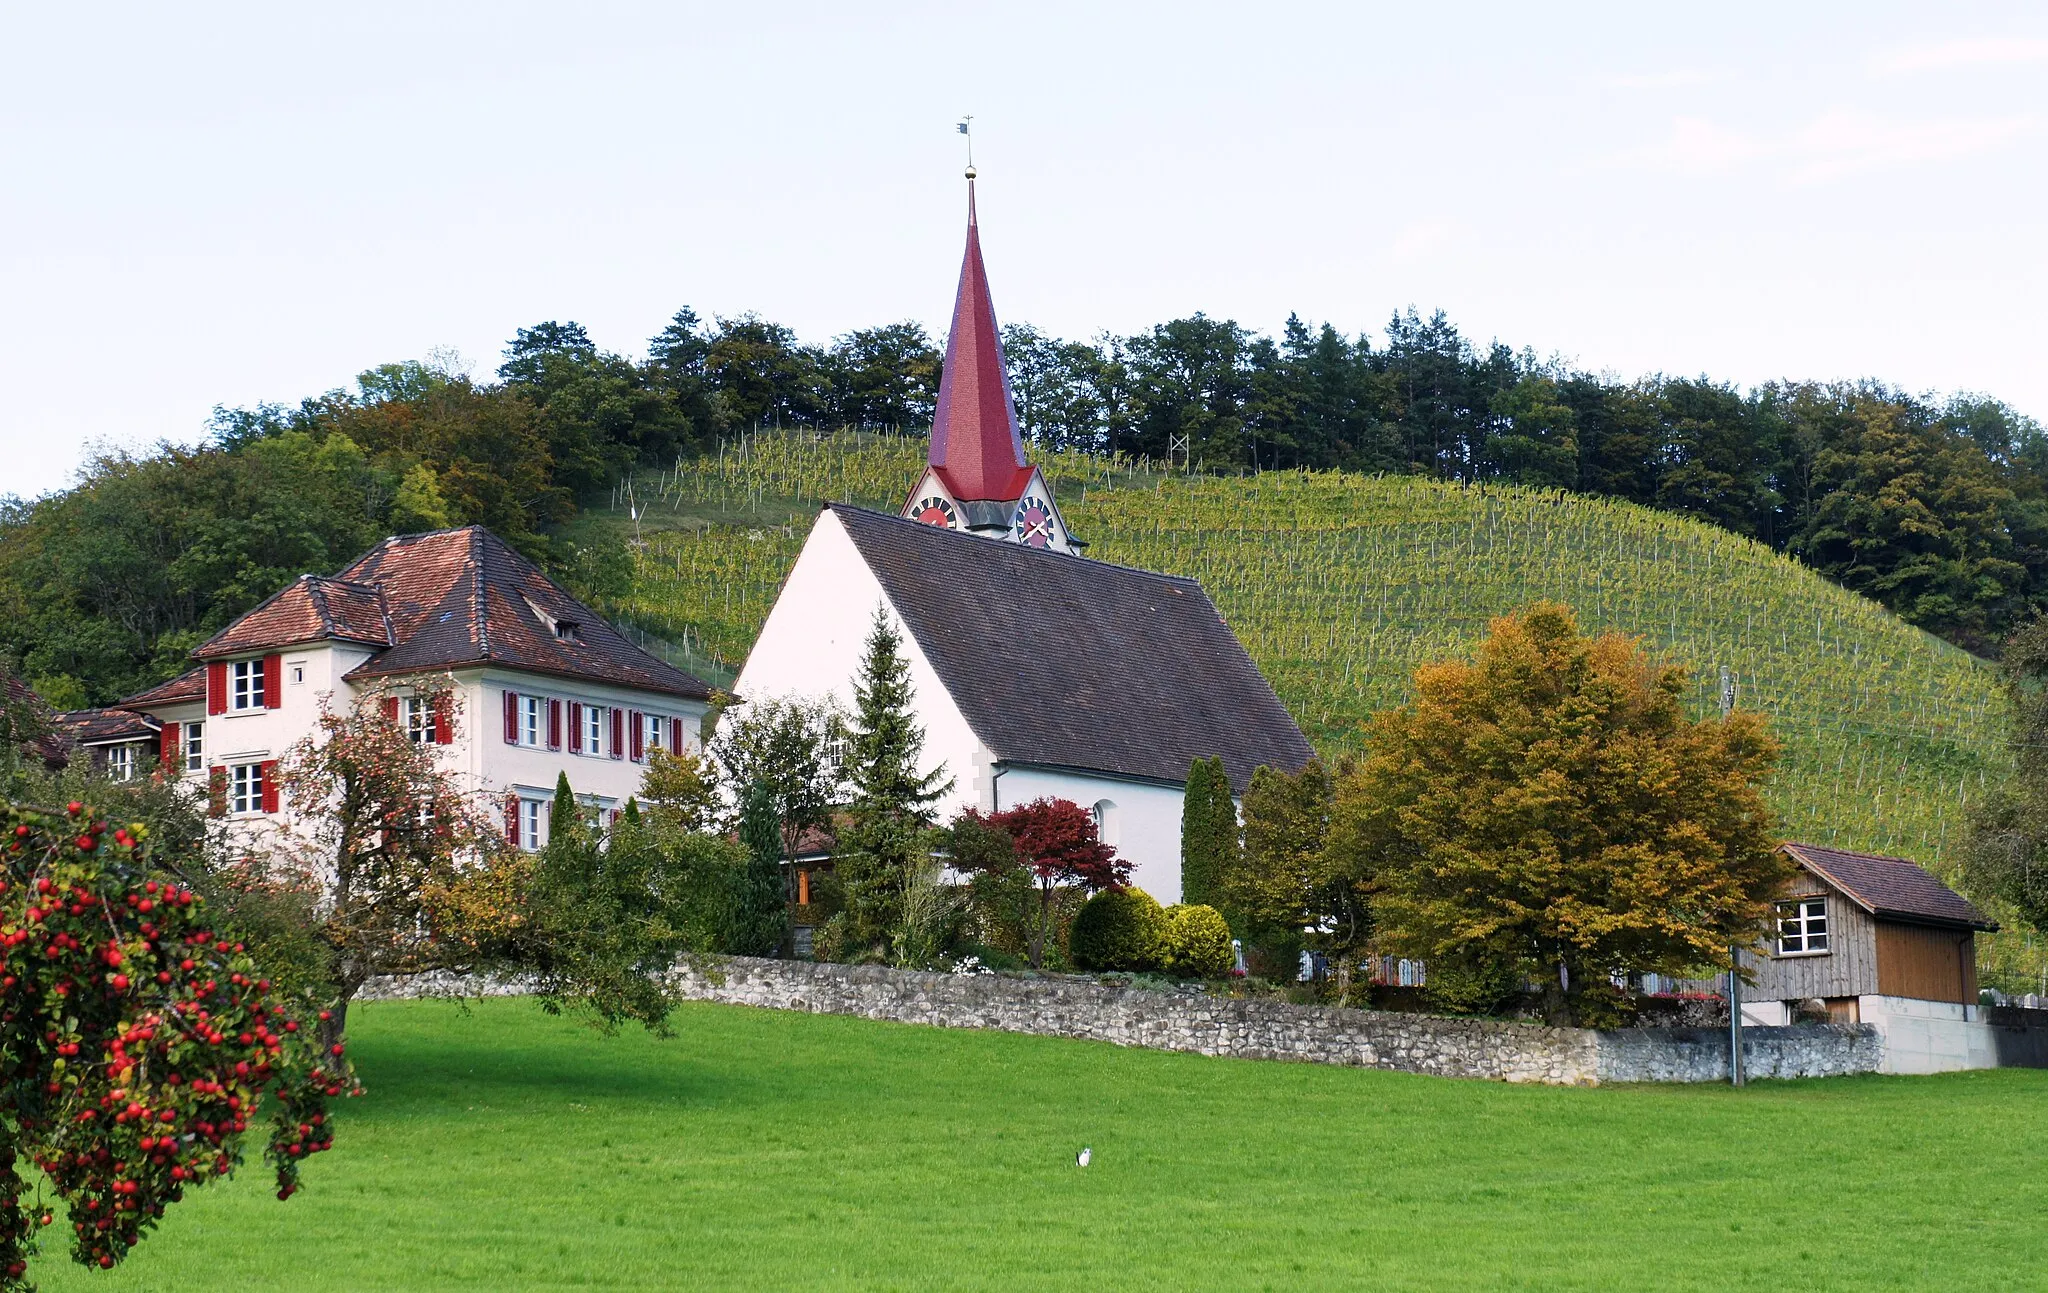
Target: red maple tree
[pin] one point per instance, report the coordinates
(1057, 842)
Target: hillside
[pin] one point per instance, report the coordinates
(1339, 585)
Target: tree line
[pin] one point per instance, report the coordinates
(1936, 508)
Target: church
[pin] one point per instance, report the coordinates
(1038, 672)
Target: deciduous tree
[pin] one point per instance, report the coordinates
(1550, 805)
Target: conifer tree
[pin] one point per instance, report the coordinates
(890, 815)
(760, 919)
(1209, 847)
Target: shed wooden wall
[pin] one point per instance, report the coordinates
(1926, 963)
(1850, 967)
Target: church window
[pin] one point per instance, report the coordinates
(1105, 821)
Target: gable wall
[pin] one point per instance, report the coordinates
(811, 646)
(1850, 967)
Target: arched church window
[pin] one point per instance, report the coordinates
(1105, 821)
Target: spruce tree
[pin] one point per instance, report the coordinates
(760, 916)
(890, 815)
(1209, 846)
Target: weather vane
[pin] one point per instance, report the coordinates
(964, 127)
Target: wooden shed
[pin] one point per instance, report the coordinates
(1856, 925)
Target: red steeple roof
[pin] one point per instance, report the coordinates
(976, 448)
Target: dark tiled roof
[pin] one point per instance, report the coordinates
(105, 726)
(1065, 662)
(461, 597)
(53, 747)
(310, 609)
(187, 686)
(1892, 887)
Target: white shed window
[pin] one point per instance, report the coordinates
(120, 762)
(1803, 927)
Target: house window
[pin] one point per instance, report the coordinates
(533, 720)
(530, 818)
(595, 718)
(195, 747)
(245, 685)
(1803, 927)
(418, 712)
(121, 762)
(245, 788)
(650, 727)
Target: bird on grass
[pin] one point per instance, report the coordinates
(1081, 1159)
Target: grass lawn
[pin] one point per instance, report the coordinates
(501, 1149)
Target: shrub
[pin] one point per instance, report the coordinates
(1197, 943)
(1118, 929)
(1470, 985)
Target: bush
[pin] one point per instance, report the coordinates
(1118, 929)
(1197, 943)
(1470, 986)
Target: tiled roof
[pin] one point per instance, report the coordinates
(53, 746)
(1892, 887)
(105, 726)
(1060, 661)
(309, 609)
(462, 597)
(187, 686)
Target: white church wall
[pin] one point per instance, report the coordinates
(1141, 821)
(811, 647)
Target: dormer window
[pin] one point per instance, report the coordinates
(567, 631)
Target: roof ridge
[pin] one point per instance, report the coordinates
(480, 601)
(1094, 562)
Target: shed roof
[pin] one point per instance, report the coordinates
(187, 686)
(1890, 888)
(105, 726)
(1060, 661)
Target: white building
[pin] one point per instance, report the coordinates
(1038, 673)
(542, 685)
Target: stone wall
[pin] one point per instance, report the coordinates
(1190, 1020)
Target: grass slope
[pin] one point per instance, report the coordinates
(1339, 585)
(502, 1149)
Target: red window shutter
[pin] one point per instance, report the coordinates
(554, 725)
(575, 728)
(217, 687)
(391, 708)
(270, 786)
(167, 746)
(675, 736)
(444, 718)
(512, 820)
(639, 735)
(217, 793)
(511, 718)
(618, 733)
(273, 681)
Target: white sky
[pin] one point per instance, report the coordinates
(208, 204)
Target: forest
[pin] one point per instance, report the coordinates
(1936, 507)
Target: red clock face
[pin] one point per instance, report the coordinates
(1034, 524)
(935, 511)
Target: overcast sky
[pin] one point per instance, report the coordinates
(206, 204)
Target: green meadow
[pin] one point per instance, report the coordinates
(499, 1148)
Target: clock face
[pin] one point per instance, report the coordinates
(935, 511)
(1034, 525)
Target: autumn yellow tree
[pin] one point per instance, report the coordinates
(1550, 807)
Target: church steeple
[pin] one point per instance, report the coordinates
(976, 448)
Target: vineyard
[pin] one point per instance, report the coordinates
(1339, 585)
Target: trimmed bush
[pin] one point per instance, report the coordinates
(1197, 943)
(1118, 929)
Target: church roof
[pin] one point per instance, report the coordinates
(976, 447)
(1059, 661)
